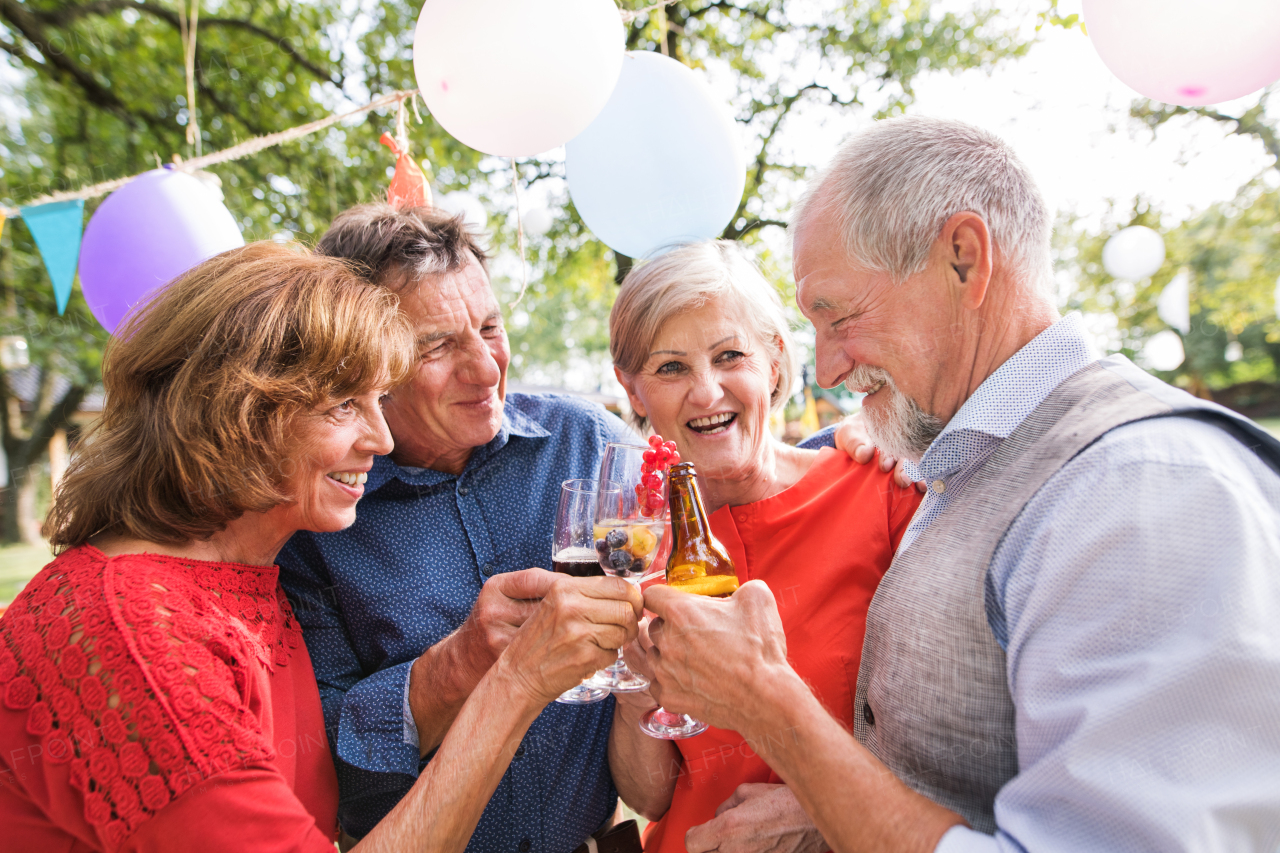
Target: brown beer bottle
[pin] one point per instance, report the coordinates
(698, 563)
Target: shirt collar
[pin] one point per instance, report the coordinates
(1007, 397)
(514, 423)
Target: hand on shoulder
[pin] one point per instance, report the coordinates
(852, 437)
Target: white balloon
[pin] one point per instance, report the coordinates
(1174, 305)
(517, 77)
(1188, 52)
(662, 164)
(471, 208)
(1133, 253)
(537, 221)
(1163, 351)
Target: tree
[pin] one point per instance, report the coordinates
(855, 60)
(65, 354)
(100, 92)
(1232, 254)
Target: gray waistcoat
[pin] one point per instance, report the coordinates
(933, 698)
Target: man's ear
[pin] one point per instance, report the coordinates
(970, 255)
(628, 384)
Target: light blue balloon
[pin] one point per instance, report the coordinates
(661, 165)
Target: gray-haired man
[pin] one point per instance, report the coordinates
(1078, 644)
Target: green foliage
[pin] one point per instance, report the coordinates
(564, 315)
(98, 92)
(1053, 17)
(1232, 252)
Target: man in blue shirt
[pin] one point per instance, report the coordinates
(405, 611)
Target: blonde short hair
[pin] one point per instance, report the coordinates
(205, 381)
(686, 279)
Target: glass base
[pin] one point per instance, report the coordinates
(619, 678)
(661, 723)
(583, 694)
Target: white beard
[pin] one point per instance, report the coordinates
(901, 428)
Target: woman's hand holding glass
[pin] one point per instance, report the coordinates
(571, 633)
(629, 534)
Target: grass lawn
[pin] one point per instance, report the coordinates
(18, 563)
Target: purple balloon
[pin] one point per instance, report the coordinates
(147, 233)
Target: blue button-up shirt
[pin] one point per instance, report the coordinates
(372, 597)
(1138, 598)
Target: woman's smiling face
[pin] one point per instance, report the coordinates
(336, 448)
(706, 384)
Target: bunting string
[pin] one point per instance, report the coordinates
(188, 33)
(253, 146)
(56, 220)
(235, 152)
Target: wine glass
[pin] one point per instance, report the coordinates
(660, 723)
(573, 553)
(629, 533)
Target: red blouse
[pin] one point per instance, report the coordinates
(822, 547)
(156, 703)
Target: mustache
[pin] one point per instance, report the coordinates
(865, 375)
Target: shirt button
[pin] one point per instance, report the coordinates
(525, 844)
(464, 490)
(938, 487)
(867, 715)
(520, 751)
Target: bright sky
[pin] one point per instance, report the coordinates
(1068, 118)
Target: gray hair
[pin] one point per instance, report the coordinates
(398, 246)
(894, 185)
(685, 279)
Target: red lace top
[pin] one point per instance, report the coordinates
(156, 703)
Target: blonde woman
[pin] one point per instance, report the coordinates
(700, 342)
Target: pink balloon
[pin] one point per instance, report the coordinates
(148, 232)
(1188, 52)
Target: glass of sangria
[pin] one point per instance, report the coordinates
(630, 529)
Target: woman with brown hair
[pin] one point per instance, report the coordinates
(154, 690)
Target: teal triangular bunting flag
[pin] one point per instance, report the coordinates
(56, 228)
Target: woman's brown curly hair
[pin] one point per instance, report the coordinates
(204, 381)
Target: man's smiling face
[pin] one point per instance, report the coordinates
(453, 404)
(882, 338)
